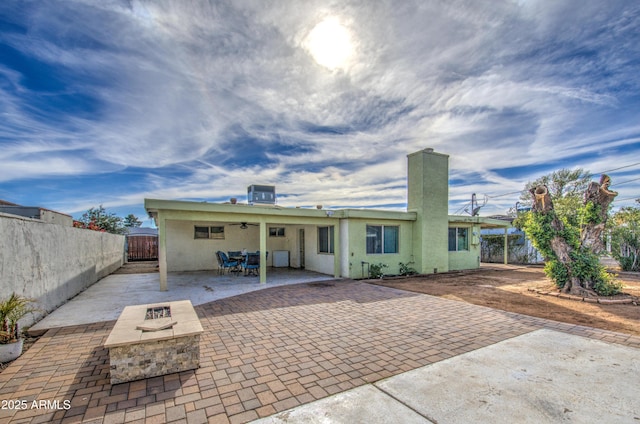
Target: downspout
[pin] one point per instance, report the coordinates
(336, 251)
(506, 246)
(263, 251)
(162, 251)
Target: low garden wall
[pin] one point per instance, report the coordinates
(52, 263)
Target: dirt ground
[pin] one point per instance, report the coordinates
(507, 288)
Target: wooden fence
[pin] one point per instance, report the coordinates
(142, 248)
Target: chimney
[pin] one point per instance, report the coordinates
(428, 197)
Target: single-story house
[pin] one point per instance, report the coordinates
(342, 242)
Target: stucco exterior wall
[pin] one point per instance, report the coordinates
(347, 262)
(428, 196)
(314, 261)
(186, 253)
(357, 247)
(467, 259)
(52, 263)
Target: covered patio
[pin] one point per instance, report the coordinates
(190, 233)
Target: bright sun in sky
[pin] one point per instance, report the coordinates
(329, 42)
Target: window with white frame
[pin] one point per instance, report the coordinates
(458, 239)
(276, 231)
(382, 239)
(325, 239)
(213, 232)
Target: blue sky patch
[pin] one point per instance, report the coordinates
(113, 103)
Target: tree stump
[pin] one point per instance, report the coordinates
(597, 199)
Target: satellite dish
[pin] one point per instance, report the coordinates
(475, 208)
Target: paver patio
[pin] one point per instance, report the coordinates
(264, 352)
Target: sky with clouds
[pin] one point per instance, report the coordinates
(110, 102)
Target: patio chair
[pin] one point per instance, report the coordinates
(220, 263)
(224, 262)
(251, 264)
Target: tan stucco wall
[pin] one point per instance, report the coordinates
(314, 261)
(185, 253)
(52, 263)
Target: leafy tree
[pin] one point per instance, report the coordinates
(571, 240)
(132, 221)
(625, 238)
(100, 220)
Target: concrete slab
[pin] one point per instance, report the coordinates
(364, 404)
(540, 377)
(106, 299)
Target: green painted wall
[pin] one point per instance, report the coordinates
(355, 248)
(466, 259)
(428, 197)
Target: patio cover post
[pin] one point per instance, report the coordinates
(506, 246)
(336, 251)
(162, 251)
(263, 251)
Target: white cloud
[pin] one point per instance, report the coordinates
(494, 85)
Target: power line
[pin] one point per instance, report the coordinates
(624, 182)
(505, 194)
(622, 167)
(577, 182)
(626, 198)
(461, 209)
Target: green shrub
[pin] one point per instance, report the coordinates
(375, 270)
(405, 269)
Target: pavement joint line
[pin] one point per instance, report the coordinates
(428, 418)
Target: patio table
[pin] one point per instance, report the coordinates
(239, 260)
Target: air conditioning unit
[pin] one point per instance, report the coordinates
(261, 194)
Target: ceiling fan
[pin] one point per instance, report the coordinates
(245, 225)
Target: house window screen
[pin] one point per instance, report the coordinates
(216, 233)
(390, 239)
(325, 239)
(382, 239)
(463, 239)
(276, 231)
(458, 239)
(452, 240)
(202, 232)
(374, 239)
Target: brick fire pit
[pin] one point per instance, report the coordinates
(152, 340)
